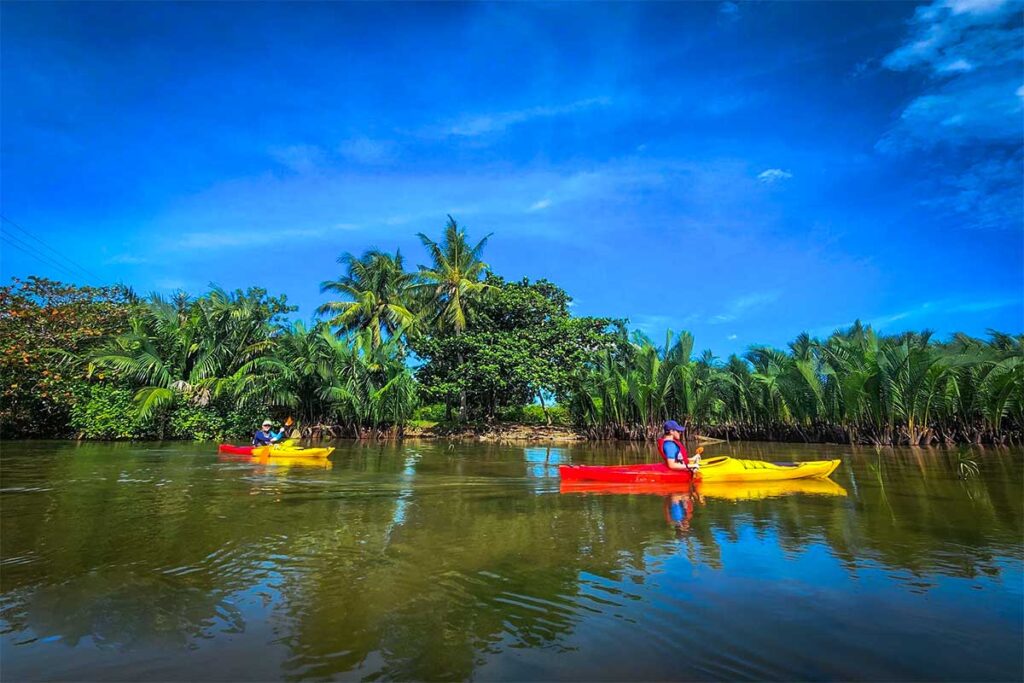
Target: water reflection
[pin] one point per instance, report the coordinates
(425, 562)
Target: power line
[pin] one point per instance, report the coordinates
(73, 264)
(42, 258)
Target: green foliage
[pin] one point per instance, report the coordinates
(220, 344)
(853, 387)
(451, 287)
(431, 412)
(358, 382)
(44, 326)
(534, 414)
(379, 290)
(106, 411)
(523, 344)
(101, 363)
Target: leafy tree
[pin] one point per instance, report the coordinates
(524, 345)
(43, 324)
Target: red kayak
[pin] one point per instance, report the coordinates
(653, 473)
(236, 450)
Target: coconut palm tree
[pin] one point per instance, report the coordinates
(453, 283)
(451, 287)
(378, 292)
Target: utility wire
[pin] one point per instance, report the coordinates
(42, 258)
(59, 256)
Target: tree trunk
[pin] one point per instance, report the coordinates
(462, 393)
(543, 406)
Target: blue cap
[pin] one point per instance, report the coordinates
(673, 425)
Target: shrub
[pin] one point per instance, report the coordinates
(104, 411)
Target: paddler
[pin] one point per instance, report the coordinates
(263, 437)
(673, 449)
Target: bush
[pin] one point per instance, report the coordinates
(533, 414)
(104, 411)
(432, 412)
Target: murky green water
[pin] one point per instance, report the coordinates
(424, 561)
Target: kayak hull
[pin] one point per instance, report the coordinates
(725, 490)
(285, 452)
(235, 450)
(275, 451)
(711, 470)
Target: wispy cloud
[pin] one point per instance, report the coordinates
(773, 175)
(497, 122)
(298, 158)
(986, 194)
(929, 310)
(540, 205)
(220, 239)
(125, 260)
(732, 337)
(738, 307)
(368, 151)
(972, 50)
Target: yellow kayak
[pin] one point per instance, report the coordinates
(724, 468)
(291, 452)
(741, 490)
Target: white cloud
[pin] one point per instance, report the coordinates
(972, 49)
(743, 304)
(540, 205)
(730, 9)
(732, 337)
(773, 175)
(491, 123)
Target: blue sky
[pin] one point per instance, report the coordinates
(744, 171)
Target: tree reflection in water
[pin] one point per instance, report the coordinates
(433, 563)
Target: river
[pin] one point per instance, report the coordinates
(165, 561)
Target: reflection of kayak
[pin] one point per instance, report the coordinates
(728, 490)
(745, 490)
(722, 468)
(282, 464)
(291, 452)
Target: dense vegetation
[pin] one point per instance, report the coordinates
(452, 342)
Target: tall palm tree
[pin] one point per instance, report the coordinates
(453, 283)
(452, 286)
(378, 291)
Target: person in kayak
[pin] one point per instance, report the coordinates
(673, 449)
(263, 437)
